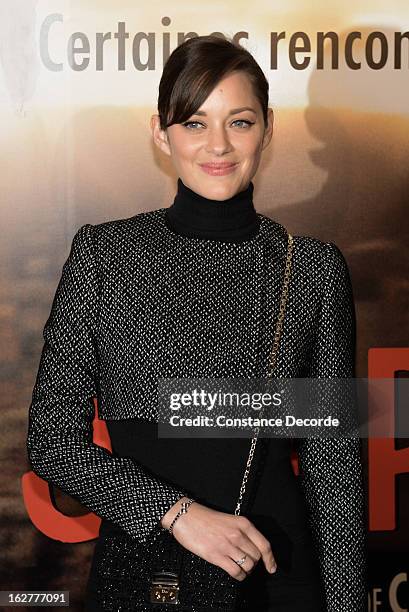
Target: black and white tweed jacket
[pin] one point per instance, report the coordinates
(135, 302)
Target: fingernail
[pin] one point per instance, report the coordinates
(272, 569)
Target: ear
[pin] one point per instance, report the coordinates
(268, 132)
(160, 136)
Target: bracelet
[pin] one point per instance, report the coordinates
(183, 510)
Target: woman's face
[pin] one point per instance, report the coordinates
(218, 133)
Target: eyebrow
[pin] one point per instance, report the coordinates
(233, 111)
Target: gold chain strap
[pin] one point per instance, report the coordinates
(273, 358)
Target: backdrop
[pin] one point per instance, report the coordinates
(78, 83)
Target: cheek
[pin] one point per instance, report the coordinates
(252, 154)
(249, 145)
(187, 148)
(183, 145)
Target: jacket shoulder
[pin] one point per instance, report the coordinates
(311, 254)
(119, 235)
(142, 221)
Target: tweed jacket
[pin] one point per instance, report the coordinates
(135, 302)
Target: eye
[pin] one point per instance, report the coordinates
(245, 121)
(187, 124)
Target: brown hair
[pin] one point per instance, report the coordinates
(193, 70)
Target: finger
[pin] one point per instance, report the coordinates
(231, 567)
(238, 553)
(262, 544)
(243, 542)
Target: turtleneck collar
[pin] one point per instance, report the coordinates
(231, 220)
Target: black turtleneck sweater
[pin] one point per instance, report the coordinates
(231, 220)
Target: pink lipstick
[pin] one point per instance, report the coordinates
(219, 169)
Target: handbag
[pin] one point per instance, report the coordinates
(162, 574)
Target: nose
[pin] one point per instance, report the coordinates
(217, 141)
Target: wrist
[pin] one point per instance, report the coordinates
(167, 518)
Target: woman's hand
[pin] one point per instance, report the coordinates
(220, 538)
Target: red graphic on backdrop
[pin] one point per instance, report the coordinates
(46, 517)
(385, 461)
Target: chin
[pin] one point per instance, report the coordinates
(218, 188)
(219, 193)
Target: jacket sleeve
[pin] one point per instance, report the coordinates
(59, 440)
(330, 468)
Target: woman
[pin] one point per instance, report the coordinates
(193, 290)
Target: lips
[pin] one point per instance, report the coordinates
(219, 168)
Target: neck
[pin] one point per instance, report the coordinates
(231, 220)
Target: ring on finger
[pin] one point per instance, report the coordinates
(242, 560)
